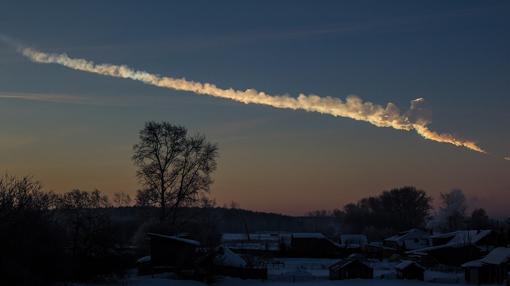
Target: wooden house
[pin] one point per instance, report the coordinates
(172, 252)
(350, 269)
(313, 245)
(410, 270)
(408, 240)
(456, 248)
(263, 244)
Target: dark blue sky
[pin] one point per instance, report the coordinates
(455, 54)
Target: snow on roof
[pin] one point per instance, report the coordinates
(227, 257)
(353, 238)
(474, 263)
(472, 236)
(252, 236)
(463, 235)
(343, 263)
(406, 263)
(184, 240)
(275, 236)
(257, 245)
(380, 245)
(459, 238)
(144, 259)
(308, 235)
(408, 234)
(497, 256)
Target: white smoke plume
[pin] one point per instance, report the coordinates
(352, 107)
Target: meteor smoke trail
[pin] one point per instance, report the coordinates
(353, 107)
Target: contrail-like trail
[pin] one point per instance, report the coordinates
(352, 107)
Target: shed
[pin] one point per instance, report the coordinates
(350, 269)
(409, 270)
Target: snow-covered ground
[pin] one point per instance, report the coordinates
(149, 281)
(305, 272)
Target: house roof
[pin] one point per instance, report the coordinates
(353, 239)
(458, 239)
(227, 257)
(308, 235)
(474, 263)
(344, 263)
(408, 234)
(274, 236)
(406, 263)
(463, 236)
(255, 245)
(252, 236)
(176, 238)
(497, 256)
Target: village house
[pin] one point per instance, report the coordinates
(313, 245)
(306, 244)
(350, 269)
(172, 252)
(491, 269)
(408, 240)
(378, 250)
(253, 243)
(410, 270)
(458, 247)
(356, 241)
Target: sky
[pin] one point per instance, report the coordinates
(72, 129)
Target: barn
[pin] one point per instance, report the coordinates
(314, 245)
(409, 270)
(172, 252)
(491, 269)
(350, 269)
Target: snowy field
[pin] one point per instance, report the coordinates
(149, 281)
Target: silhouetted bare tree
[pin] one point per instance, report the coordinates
(174, 165)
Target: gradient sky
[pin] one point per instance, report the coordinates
(71, 129)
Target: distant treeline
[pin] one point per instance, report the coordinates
(403, 208)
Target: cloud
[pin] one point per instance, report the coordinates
(352, 107)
